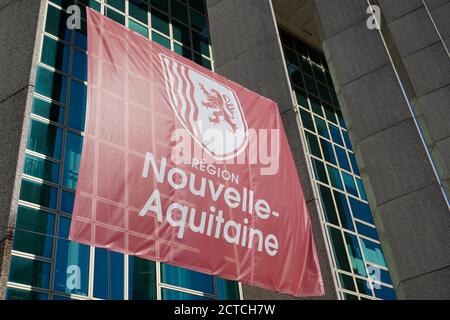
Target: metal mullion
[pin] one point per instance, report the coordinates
(30, 256)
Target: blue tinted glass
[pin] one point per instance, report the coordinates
(79, 65)
(366, 230)
(108, 275)
(56, 297)
(226, 289)
(347, 140)
(81, 39)
(141, 279)
(55, 54)
(354, 164)
(379, 274)
(341, 119)
(48, 110)
(17, 294)
(350, 184)
(72, 267)
(45, 138)
(40, 194)
(40, 168)
(74, 144)
(319, 171)
(361, 189)
(385, 293)
(364, 286)
(336, 135)
(67, 199)
(321, 128)
(342, 158)
(335, 177)
(373, 252)
(328, 206)
(29, 272)
(361, 210)
(63, 227)
(344, 211)
(77, 106)
(51, 84)
(168, 294)
(56, 23)
(328, 151)
(39, 241)
(354, 251)
(187, 278)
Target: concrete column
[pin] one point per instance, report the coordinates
(20, 45)
(247, 50)
(410, 211)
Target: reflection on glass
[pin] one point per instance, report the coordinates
(186, 278)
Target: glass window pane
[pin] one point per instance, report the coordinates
(181, 33)
(45, 138)
(51, 84)
(72, 157)
(108, 275)
(226, 289)
(340, 255)
(307, 121)
(328, 152)
(198, 22)
(41, 168)
(48, 110)
(361, 210)
(182, 50)
(316, 106)
(343, 210)
(328, 205)
(179, 11)
(202, 61)
(342, 158)
(302, 98)
(72, 267)
(141, 279)
(319, 171)
(361, 189)
(366, 230)
(77, 106)
(335, 177)
(56, 23)
(198, 5)
(17, 294)
(347, 282)
(138, 10)
(350, 185)
(114, 15)
(118, 4)
(385, 293)
(200, 43)
(143, 31)
(162, 5)
(168, 294)
(321, 127)
(373, 252)
(161, 40)
(40, 194)
(67, 199)
(160, 22)
(364, 286)
(79, 65)
(29, 272)
(354, 164)
(313, 145)
(348, 143)
(55, 54)
(336, 135)
(187, 278)
(81, 36)
(354, 251)
(34, 232)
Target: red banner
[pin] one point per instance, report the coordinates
(184, 166)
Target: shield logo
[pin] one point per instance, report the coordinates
(209, 110)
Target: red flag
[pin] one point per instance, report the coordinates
(181, 165)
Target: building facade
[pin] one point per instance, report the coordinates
(368, 134)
